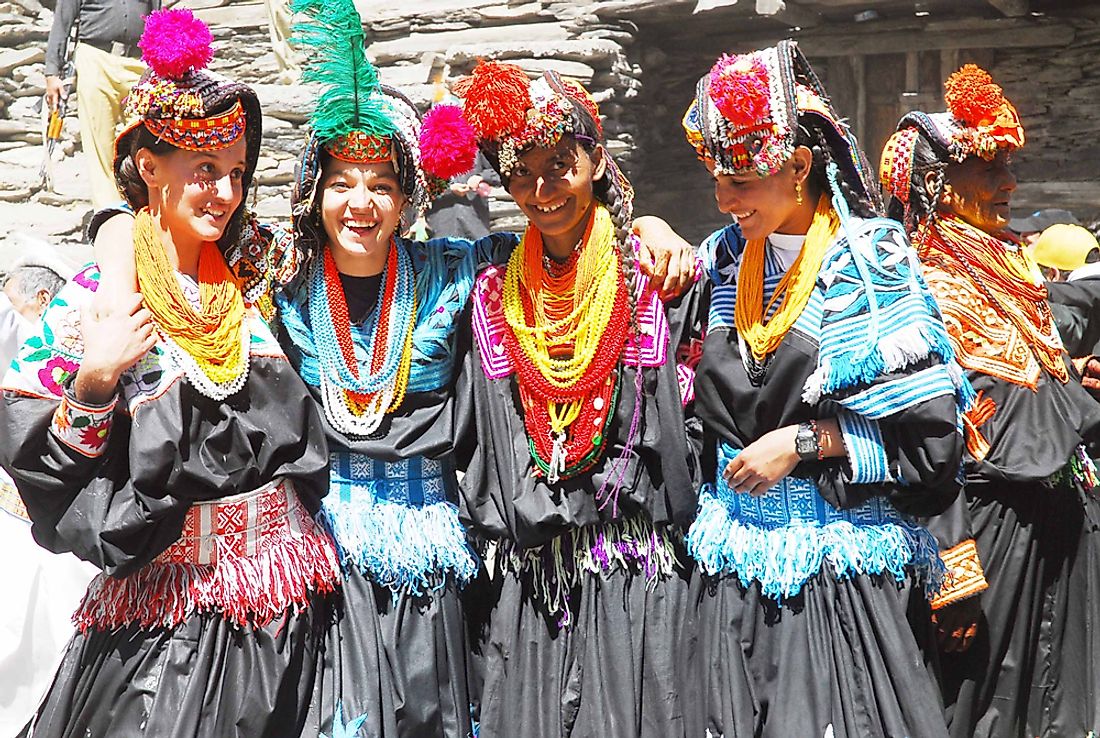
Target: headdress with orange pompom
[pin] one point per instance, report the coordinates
(979, 121)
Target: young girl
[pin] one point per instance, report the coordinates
(829, 406)
(166, 439)
(581, 470)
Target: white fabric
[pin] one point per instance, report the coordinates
(14, 329)
(786, 247)
(41, 592)
(1088, 270)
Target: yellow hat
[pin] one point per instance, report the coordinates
(1064, 246)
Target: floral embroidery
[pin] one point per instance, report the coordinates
(83, 429)
(56, 372)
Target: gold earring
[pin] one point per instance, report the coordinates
(798, 192)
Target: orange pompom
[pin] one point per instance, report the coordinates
(496, 97)
(971, 95)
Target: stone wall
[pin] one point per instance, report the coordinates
(640, 58)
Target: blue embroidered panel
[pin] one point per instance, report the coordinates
(415, 482)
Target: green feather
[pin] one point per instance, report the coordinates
(337, 58)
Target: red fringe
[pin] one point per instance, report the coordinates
(245, 590)
(496, 97)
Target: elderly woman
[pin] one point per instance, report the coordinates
(1020, 658)
(830, 409)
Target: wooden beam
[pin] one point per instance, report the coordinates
(870, 40)
(1011, 8)
(794, 15)
(859, 74)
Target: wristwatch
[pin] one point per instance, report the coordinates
(806, 444)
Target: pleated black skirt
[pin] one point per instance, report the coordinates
(840, 656)
(205, 678)
(622, 669)
(1034, 666)
(396, 668)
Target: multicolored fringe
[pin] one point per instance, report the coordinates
(631, 546)
(292, 562)
(1079, 470)
(403, 548)
(783, 558)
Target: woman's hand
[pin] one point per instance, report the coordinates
(764, 463)
(115, 337)
(667, 259)
(957, 624)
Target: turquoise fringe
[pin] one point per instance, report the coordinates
(405, 549)
(783, 559)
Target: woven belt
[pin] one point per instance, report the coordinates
(249, 558)
(242, 525)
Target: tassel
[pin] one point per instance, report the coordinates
(981, 411)
(402, 548)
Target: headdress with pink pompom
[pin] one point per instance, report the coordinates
(176, 45)
(506, 111)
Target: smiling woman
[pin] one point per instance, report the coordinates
(1023, 541)
(165, 438)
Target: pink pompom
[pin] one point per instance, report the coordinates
(448, 144)
(739, 87)
(175, 42)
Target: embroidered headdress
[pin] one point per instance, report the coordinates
(746, 111)
(979, 121)
(181, 103)
(504, 113)
(356, 118)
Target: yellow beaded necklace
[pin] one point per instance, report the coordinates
(569, 315)
(793, 291)
(587, 307)
(211, 336)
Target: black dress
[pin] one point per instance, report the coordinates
(805, 606)
(396, 661)
(208, 618)
(588, 630)
(1034, 666)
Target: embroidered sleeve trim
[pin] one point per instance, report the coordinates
(965, 576)
(866, 451)
(83, 428)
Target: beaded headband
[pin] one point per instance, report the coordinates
(360, 148)
(201, 134)
(896, 167)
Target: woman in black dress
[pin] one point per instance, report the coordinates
(581, 470)
(1020, 657)
(166, 439)
(830, 407)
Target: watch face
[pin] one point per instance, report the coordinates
(805, 443)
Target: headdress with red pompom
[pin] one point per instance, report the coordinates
(504, 111)
(987, 122)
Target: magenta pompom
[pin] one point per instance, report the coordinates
(448, 144)
(738, 86)
(175, 42)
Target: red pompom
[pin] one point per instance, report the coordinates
(496, 97)
(448, 145)
(971, 95)
(739, 87)
(175, 42)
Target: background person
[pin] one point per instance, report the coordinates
(107, 62)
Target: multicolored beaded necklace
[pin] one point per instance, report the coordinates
(567, 326)
(355, 402)
(211, 343)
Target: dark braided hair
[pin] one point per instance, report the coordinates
(813, 133)
(922, 202)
